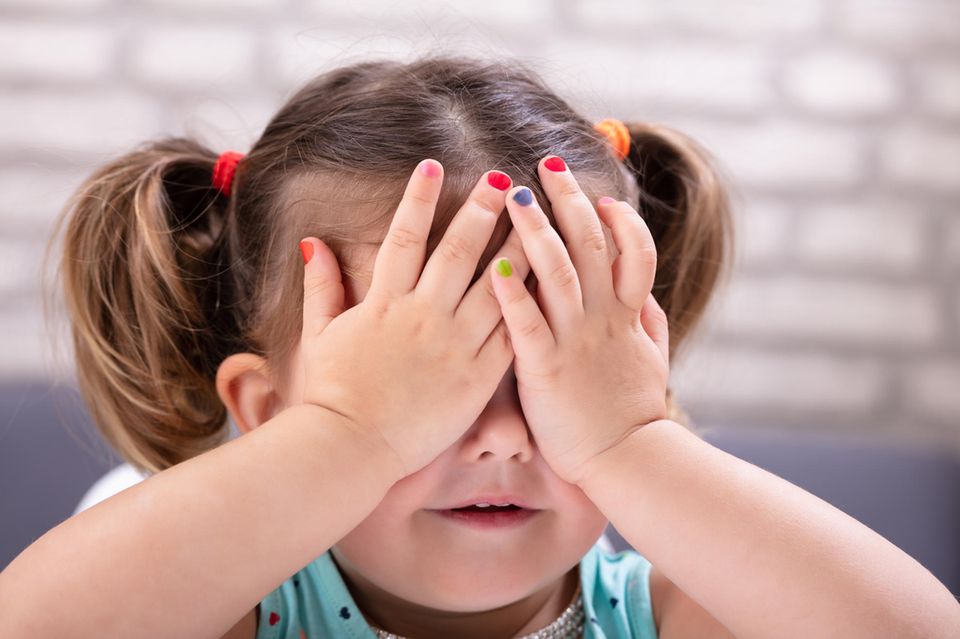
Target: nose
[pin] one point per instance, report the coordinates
(500, 433)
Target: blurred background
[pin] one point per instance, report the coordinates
(836, 122)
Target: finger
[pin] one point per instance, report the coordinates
(635, 268)
(479, 312)
(323, 293)
(556, 277)
(654, 322)
(400, 258)
(530, 335)
(581, 230)
(452, 264)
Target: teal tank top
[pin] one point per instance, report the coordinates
(315, 602)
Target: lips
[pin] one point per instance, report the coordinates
(493, 500)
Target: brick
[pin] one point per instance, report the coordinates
(28, 350)
(843, 83)
(61, 6)
(832, 310)
(931, 388)
(783, 154)
(729, 376)
(875, 235)
(231, 6)
(32, 197)
(922, 157)
(938, 83)
(195, 57)
(899, 23)
(38, 51)
(19, 266)
(688, 74)
(760, 231)
(223, 124)
(951, 241)
(456, 18)
(101, 123)
(738, 17)
(297, 56)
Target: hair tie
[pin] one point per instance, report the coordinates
(617, 134)
(224, 169)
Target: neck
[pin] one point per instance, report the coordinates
(407, 619)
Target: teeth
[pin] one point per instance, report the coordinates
(485, 505)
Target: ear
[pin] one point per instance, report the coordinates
(246, 389)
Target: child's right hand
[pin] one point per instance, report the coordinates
(416, 362)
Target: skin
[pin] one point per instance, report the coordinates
(411, 571)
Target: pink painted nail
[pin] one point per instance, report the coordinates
(430, 168)
(606, 199)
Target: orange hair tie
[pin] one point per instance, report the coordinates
(224, 169)
(617, 133)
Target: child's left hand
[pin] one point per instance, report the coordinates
(592, 358)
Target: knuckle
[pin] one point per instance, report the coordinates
(317, 287)
(569, 188)
(456, 248)
(531, 329)
(564, 275)
(647, 255)
(595, 242)
(403, 238)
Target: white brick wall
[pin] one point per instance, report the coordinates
(837, 124)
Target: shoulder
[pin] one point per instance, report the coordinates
(677, 615)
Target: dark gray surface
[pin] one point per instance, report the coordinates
(50, 455)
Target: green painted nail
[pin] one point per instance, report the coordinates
(503, 267)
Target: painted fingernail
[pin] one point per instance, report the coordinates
(306, 249)
(555, 164)
(430, 168)
(606, 199)
(498, 180)
(504, 267)
(523, 197)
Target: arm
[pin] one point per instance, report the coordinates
(763, 556)
(192, 549)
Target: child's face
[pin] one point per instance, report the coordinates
(424, 558)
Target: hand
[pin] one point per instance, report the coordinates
(415, 363)
(592, 359)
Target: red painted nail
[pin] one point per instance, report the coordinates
(498, 180)
(306, 248)
(556, 164)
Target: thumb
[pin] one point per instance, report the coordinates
(322, 286)
(654, 322)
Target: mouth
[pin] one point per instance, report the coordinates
(488, 517)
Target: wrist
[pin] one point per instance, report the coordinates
(627, 449)
(369, 440)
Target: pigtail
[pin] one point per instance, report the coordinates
(687, 208)
(152, 314)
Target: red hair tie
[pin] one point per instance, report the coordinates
(224, 169)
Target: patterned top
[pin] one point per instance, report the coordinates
(315, 602)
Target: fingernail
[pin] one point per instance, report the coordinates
(306, 248)
(556, 164)
(523, 197)
(606, 199)
(504, 268)
(498, 180)
(430, 168)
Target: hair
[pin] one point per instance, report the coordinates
(164, 276)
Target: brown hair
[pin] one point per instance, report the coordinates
(164, 276)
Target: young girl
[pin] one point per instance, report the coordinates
(430, 447)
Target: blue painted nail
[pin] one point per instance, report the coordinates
(523, 197)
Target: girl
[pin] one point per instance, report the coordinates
(431, 448)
